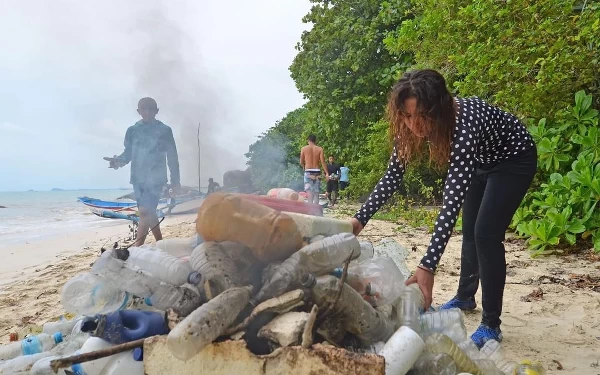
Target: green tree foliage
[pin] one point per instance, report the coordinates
(274, 159)
(528, 57)
(345, 72)
(566, 207)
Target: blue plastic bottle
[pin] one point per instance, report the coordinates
(126, 325)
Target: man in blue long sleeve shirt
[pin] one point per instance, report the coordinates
(147, 144)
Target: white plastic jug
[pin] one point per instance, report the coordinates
(402, 351)
(123, 363)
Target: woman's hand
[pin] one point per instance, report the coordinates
(357, 227)
(424, 279)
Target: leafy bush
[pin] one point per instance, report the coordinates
(564, 209)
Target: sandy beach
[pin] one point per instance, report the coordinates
(550, 308)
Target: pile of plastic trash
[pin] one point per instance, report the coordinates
(259, 275)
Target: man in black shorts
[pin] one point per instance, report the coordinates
(149, 146)
(333, 185)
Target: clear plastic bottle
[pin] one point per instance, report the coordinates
(64, 326)
(366, 252)
(160, 295)
(449, 322)
(407, 309)
(528, 368)
(390, 248)
(470, 349)
(384, 275)
(89, 294)
(42, 367)
(20, 365)
(31, 345)
(439, 343)
(207, 323)
(494, 351)
(357, 315)
(357, 283)
(318, 258)
(488, 367)
(159, 264)
(179, 247)
(434, 364)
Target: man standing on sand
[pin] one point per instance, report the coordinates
(310, 156)
(332, 182)
(149, 146)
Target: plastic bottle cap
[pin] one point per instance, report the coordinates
(13, 336)
(58, 337)
(147, 301)
(194, 278)
(338, 272)
(308, 280)
(77, 369)
(138, 354)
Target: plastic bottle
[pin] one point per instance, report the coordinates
(42, 367)
(89, 294)
(310, 225)
(269, 234)
(159, 264)
(434, 364)
(487, 367)
(407, 309)
(494, 351)
(207, 323)
(439, 343)
(401, 351)
(448, 322)
(357, 283)
(528, 368)
(31, 345)
(318, 258)
(470, 349)
(357, 315)
(384, 275)
(92, 367)
(125, 326)
(366, 252)
(20, 365)
(63, 326)
(219, 269)
(160, 295)
(179, 247)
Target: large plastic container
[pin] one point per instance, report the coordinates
(89, 294)
(310, 226)
(127, 325)
(179, 247)
(318, 258)
(123, 363)
(161, 265)
(31, 345)
(206, 323)
(270, 234)
(286, 205)
(93, 367)
(401, 351)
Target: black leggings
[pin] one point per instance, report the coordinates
(493, 197)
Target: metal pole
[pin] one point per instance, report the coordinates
(199, 180)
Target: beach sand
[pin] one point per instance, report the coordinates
(559, 325)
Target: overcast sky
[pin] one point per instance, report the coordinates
(71, 74)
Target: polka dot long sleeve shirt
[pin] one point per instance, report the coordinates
(484, 134)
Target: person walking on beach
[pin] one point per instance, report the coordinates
(333, 181)
(149, 146)
(491, 161)
(310, 156)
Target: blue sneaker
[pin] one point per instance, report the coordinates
(485, 333)
(467, 305)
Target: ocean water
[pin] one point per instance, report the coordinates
(31, 215)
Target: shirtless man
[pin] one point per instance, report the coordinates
(309, 160)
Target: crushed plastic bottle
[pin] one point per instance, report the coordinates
(319, 258)
(449, 322)
(180, 247)
(207, 323)
(161, 265)
(439, 343)
(31, 345)
(383, 274)
(434, 364)
(357, 315)
(494, 351)
(64, 326)
(89, 294)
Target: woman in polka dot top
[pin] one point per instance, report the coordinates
(491, 161)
